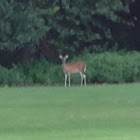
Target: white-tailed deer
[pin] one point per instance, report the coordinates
(75, 67)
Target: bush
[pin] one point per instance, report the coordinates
(11, 76)
(112, 67)
(42, 72)
(106, 67)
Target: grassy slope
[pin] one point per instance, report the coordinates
(110, 112)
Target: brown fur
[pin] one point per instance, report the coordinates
(74, 67)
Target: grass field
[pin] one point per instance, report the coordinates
(98, 112)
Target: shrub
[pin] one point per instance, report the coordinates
(106, 67)
(11, 76)
(41, 72)
(112, 67)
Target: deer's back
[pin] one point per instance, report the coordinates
(74, 67)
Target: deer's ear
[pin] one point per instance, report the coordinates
(60, 56)
(66, 56)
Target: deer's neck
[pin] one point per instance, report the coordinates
(64, 67)
(63, 62)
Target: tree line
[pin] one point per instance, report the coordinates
(44, 28)
(104, 34)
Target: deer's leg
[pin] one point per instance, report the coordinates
(69, 80)
(84, 77)
(66, 80)
(81, 78)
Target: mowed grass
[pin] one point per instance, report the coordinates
(98, 112)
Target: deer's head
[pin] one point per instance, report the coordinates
(63, 58)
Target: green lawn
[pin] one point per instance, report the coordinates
(98, 112)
